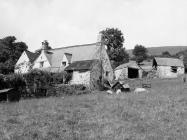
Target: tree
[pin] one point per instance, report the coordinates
(10, 53)
(140, 53)
(166, 54)
(113, 39)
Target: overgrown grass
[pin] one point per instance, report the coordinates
(160, 114)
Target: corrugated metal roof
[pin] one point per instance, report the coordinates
(169, 62)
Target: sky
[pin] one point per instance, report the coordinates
(71, 22)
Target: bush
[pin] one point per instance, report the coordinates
(37, 83)
(3, 84)
(62, 77)
(41, 83)
(16, 82)
(65, 89)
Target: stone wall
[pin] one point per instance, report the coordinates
(106, 65)
(81, 77)
(95, 75)
(166, 72)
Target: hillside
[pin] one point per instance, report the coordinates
(158, 50)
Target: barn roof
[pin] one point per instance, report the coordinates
(75, 53)
(169, 62)
(32, 56)
(129, 64)
(81, 65)
(145, 65)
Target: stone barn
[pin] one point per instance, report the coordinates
(131, 70)
(168, 67)
(86, 72)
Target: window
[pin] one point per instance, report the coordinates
(174, 69)
(64, 64)
(107, 73)
(41, 64)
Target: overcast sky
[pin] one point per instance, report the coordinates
(72, 22)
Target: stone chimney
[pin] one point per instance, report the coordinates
(45, 45)
(99, 39)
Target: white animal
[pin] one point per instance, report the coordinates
(118, 91)
(109, 92)
(138, 90)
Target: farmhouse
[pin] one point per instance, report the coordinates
(24, 63)
(132, 70)
(168, 67)
(81, 60)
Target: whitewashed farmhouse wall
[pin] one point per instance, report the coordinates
(39, 60)
(79, 77)
(23, 64)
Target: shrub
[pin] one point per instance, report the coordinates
(3, 84)
(37, 83)
(62, 77)
(65, 89)
(16, 82)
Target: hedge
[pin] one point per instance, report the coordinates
(39, 83)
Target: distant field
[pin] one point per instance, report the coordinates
(160, 114)
(158, 50)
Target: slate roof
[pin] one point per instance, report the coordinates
(32, 56)
(78, 53)
(69, 57)
(81, 65)
(169, 62)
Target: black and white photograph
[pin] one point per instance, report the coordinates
(93, 69)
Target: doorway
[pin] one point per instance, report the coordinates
(133, 73)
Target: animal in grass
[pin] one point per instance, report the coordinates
(118, 91)
(109, 92)
(138, 90)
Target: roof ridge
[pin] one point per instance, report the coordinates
(75, 46)
(168, 58)
(29, 51)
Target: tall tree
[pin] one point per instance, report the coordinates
(140, 53)
(10, 53)
(113, 38)
(166, 54)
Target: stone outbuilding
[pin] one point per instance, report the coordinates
(87, 72)
(132, 70)
(168, 67)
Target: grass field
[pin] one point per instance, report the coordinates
(160, 114)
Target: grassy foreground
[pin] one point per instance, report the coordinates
(160, 114)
